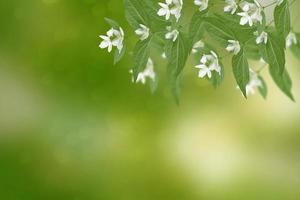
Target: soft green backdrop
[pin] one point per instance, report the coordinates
(74, 127)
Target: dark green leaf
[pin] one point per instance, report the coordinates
(275, 55)
(218, 30)
(282, 18)
(283, 81)
(196, 29)
(241, 71)
(177, 55)
(141, 55)
(135, 13)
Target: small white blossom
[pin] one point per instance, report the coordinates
(143, 32)
(208, 63)
(171, 34)
(114, 37)
(170, 7)
(251, 13)
(107, 43)
(261, 38)
(203, 4)
(147, 73)
(163, 55)
(291, 39)
(253, 83)
(231, 6)
(198, 45)
(233, 46)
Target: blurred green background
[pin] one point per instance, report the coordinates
(74, 127)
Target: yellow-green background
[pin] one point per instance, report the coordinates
(74, 127)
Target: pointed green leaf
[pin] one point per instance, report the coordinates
(218, 30)
(177, 55)
(196, 29)
(283, 81)
(282, 18)
(135, 13)
(275, 55)
(241, 71)
(141, 55)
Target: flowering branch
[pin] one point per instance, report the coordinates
(240, 29)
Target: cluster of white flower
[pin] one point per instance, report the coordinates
(170, 7)
(261, 37)
(233, 46)
(112, 38)
(143, 32)
(251, 12)
(208, 64)
(147, 73)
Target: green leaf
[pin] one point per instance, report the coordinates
(275, 55)
(141, 55)
(241, 71)
(282, 18)
(112, 23)
(135, 13)
(196, 29)
(119, 55)
(218, 30)
(177, 54)
(263, 89)
(251, 50)
(283, 81)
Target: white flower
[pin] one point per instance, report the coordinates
(198, 45)
(119, 38)
(170, 7)
(107, 43)
(291, 39)
(253, 83)
(171, 34)
(251, 13)
(163, 55)
(114, 37)
(279, 2)
(231, 6)
(261, 38)
(233, 46)
(208, 63)
(143, 32)
(203, 4)
(147, 73)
